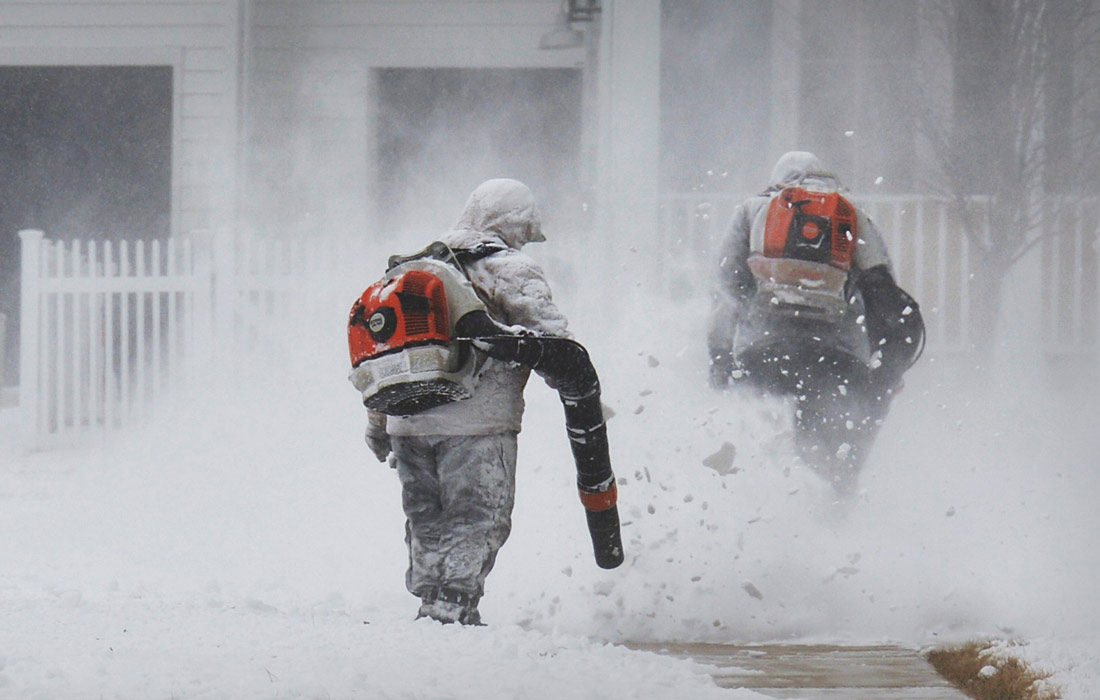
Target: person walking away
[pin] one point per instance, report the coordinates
(807, 307)
(457, 461)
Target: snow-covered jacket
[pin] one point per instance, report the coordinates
(736, 283)
(499, 213)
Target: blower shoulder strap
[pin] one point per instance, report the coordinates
(459, 258)
(462, 257)
(438, 250)
(465, 256)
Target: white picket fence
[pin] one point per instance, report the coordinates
(101, 326)
(1071, 282)
(933, 261)
(930, 256)
(106, 327)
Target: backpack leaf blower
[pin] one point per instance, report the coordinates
(412, 337)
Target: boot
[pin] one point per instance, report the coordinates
(447, 605)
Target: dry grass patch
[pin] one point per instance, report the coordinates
(974, 669)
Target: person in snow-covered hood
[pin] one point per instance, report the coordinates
(807, 307)
(457, 461)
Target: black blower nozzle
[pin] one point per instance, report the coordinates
(565, 365)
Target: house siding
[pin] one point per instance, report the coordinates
(311, 102)
(198, 38)
(443, 33)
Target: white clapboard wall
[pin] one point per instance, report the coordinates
(200, 40)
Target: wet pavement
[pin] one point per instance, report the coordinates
(819, 672)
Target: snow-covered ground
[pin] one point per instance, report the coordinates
(243, 543)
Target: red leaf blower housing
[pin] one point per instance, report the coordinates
(807, 243)
(417, 338)
(817, 227)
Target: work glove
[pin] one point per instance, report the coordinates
(378, 440)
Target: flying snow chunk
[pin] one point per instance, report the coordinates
(843, 451)
(722, 460)
(752, 590)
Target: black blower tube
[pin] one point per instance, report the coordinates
(565, 365)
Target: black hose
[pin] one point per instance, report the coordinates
(893, 320)
(565, 365)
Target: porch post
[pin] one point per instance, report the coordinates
(786, 58)
(629, 132)
(29, 305)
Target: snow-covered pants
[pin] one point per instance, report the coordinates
(837, 412)
(457, 492)
(836, 422)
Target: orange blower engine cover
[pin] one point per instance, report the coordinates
(403, 358)
(817, 227)
(395, 313)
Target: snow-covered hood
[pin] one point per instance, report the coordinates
(796, 166)
(506, 208)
